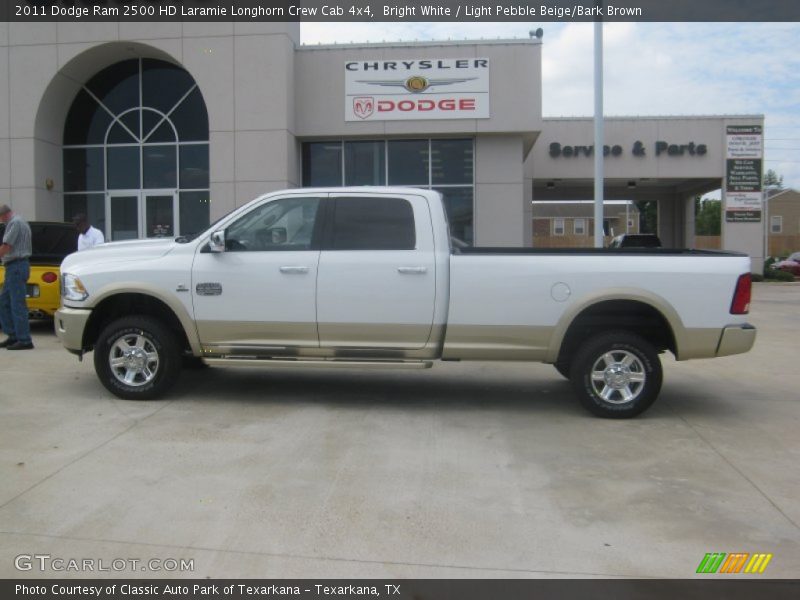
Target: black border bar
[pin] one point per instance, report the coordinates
(711, 588)
(402, 10)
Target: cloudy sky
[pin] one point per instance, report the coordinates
(650, 69)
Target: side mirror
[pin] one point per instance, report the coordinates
(217, 241)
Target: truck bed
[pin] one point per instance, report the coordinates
(473, 250)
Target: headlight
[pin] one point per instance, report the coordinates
(72, 288)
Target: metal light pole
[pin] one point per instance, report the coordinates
(767, 224)
(598, 134)
(627, 216)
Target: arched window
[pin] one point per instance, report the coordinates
(136, 152)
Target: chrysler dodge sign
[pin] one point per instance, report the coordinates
(407, 90)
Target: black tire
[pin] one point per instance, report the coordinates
(563, 368)
(631, 374)
(154, 363)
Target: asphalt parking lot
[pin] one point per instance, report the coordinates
(465, 470)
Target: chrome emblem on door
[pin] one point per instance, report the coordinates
(208, 289)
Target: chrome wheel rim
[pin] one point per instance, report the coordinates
(618, 377)
(133, 360)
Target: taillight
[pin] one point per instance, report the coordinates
(741, 297)
(49, 277)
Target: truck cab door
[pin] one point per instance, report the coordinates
(258, 296)
(376, 285)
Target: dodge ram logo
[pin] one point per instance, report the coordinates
(363, 106)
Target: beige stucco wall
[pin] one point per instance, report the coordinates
(499, 198)
(250, 100)
(500, 141)
(625, 131)
(672, 180)
(515, 88)
(265, 94)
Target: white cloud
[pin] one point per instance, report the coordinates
(344, 33)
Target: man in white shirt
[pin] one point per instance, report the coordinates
(89, 236)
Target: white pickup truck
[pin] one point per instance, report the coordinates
(369, 277)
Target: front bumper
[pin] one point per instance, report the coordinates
(69, 325)
(736, 339)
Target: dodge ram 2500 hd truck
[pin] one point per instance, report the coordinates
(370, 277)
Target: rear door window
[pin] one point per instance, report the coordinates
(372, 223)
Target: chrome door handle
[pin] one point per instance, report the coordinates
(294, 269)
(412, 270)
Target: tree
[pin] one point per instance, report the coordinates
(772, 180)
(648, 216)
(707, 216)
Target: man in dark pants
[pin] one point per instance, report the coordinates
(15, 252)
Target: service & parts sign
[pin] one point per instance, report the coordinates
(414, 89)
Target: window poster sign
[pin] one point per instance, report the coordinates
(415, 89)
(744, 175)
(744, 167)
(745, 141)
(743, 207)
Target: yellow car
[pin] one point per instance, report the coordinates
(51, 244)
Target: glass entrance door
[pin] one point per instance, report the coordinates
(159, 214)
(123, 212)
(141, 214)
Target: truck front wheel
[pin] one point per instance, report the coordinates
(137, 358)
(563, 368)
(616, 374)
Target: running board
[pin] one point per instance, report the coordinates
(339, 363)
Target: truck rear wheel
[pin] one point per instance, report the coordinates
(137, 358)
(616, 375)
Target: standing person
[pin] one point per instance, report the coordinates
(89, 236)
(15, 252)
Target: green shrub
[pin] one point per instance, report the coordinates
(777, 275)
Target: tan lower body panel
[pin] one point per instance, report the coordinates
(483, 342)
(69, 325)
(496, 342)
(698, 342)
(395, 342)
(319, 363)
(390, 342)
(257, 334)
(736, 340)
(374, 335)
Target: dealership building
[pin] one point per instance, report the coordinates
(157, 129)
